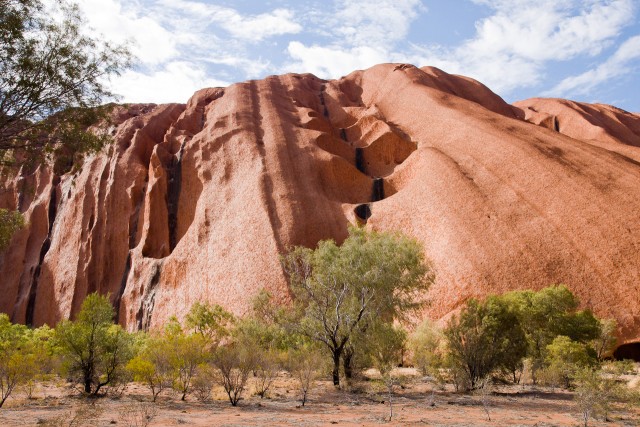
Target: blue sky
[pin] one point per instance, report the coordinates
(587, 50)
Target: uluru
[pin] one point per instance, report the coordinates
(197, 201)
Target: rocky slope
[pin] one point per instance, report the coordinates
(195, 202)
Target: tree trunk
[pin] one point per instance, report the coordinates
(87, 383)
(347, 358)
(336, 368)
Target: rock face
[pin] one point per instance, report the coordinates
(196, 202)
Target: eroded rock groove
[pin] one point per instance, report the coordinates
(46, 245)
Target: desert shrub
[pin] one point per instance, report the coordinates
(565, 358)
(605, 342)
(305, 366)
(266, 371)
(185, 352)
(153, 366)
(485, 336)
(203, 381)
(426, 344)
(138, 414)
(95, 351)
(386, 344)
(596, 391)
(547, 314)
(235, 363)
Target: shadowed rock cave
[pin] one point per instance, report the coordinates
(628, 351)
(363, 212)
(377, 193)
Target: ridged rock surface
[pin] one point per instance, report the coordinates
(196, 202)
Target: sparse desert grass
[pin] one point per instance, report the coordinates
(417, 402)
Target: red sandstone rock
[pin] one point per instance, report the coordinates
(196, 202)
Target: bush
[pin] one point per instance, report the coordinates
(304, 364)
(565, 357)
(94, 350)
(235, 363)
(484, 337)
(426, 345)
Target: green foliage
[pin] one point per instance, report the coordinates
(564, 358)
(211, 321)
(305, 364)
(605, 343)
(14, 366)
(10, 222)
(386, 344)
(484, 337)
(152, 366)
(596, 391)
(185, 352)
(548, 313)
(426, 344)
(235, 362)
(51, 75)
(94, 349)
(339, 291)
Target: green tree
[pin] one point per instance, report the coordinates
(548, 313)
(386, 344)
(304, 363)
(426, 346)
(485, 336)
(340, 290)
(95, 351)
(235, 362)
(185, 351)
(565, 357)
(606, 341)
(52, 74)
(10, 222)
(14, 365)
(152, 366)
(212, 322)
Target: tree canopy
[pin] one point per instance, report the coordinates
(52, 76)
(340, 291)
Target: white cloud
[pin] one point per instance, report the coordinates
(332, 62)
(550, 29)
(175, 82)
(176, 42)
(252, 28)
(363, 33)
(373, 22)
(616, 65)
(151, 43)
(512, 47)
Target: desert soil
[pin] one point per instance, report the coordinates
(364, 405)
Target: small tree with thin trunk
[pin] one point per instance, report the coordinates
(152, 366)
(235, 363)
(304, 365)
(484, 390)
(94, 349)
(12, 361)
(385, 346)
(340, 290)
(185, 352)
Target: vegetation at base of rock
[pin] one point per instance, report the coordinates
(340, 291)
(366, 283)
(94, 350)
